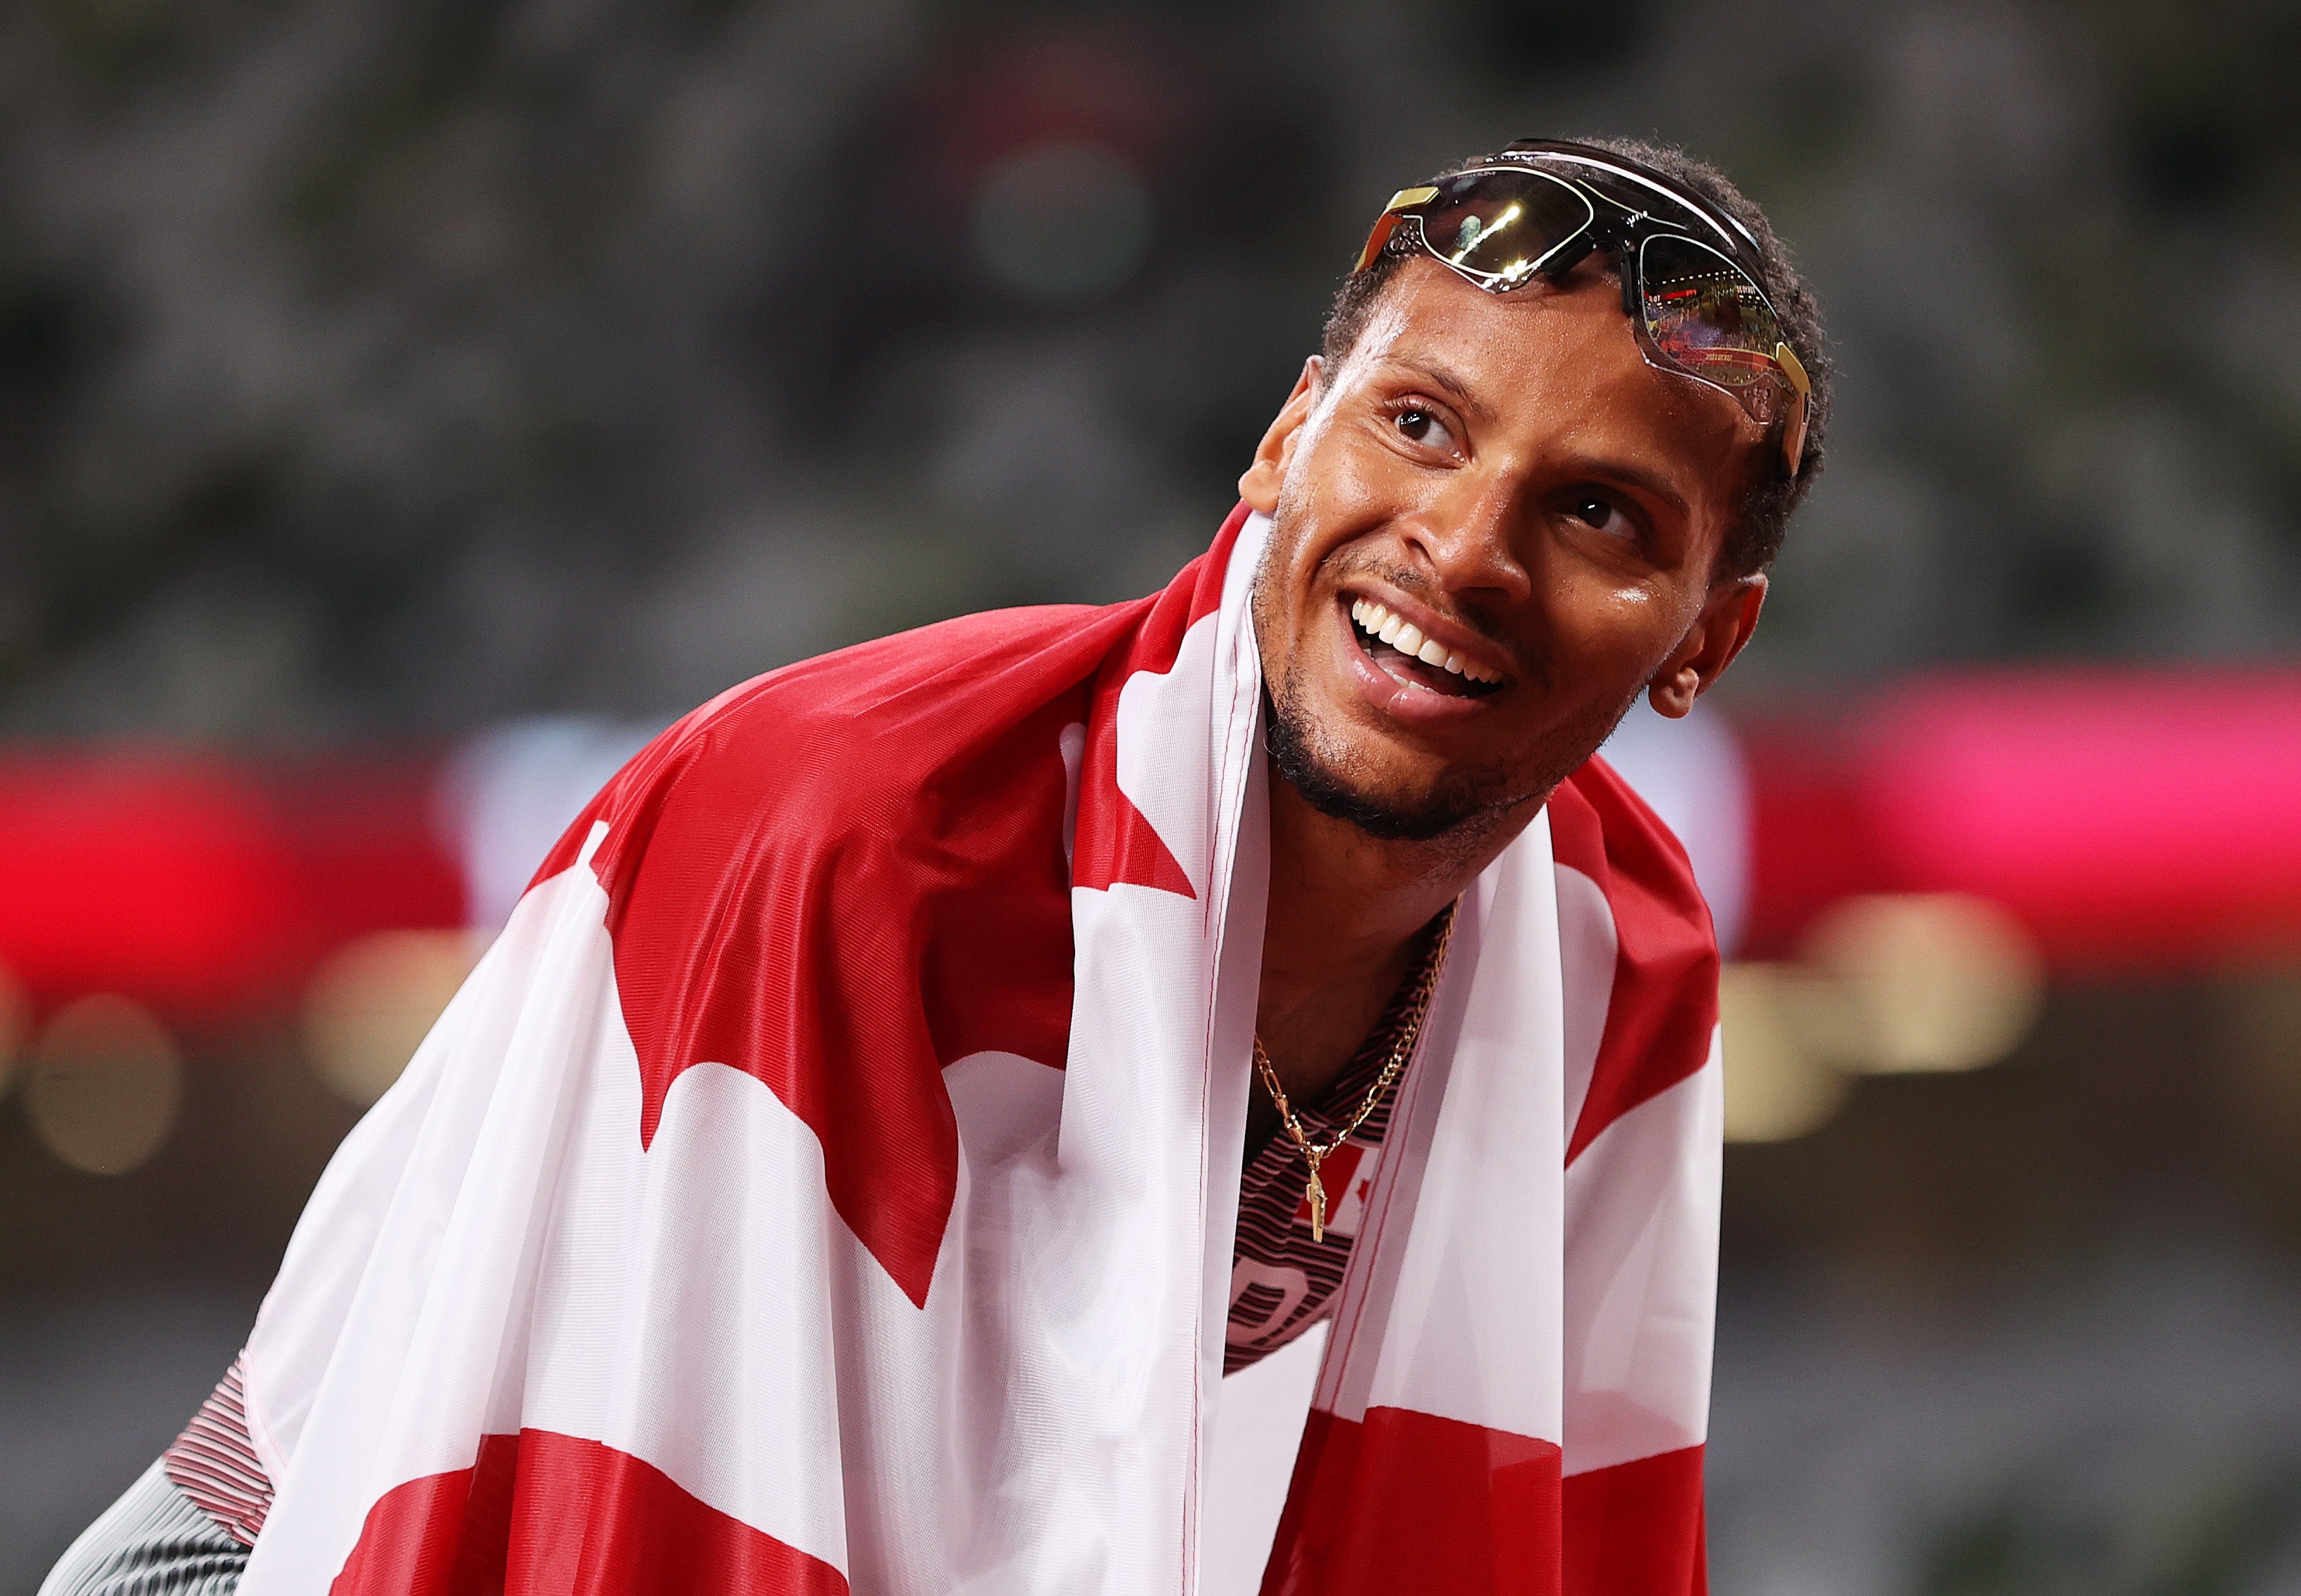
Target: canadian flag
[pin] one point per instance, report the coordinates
(827, 1181)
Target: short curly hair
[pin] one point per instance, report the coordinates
(1766, 508)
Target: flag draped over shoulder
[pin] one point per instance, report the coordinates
(827, 1181)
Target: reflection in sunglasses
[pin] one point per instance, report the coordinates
(1473, 232)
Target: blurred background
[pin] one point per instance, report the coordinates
(407, 407)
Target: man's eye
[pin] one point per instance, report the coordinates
(1605, 516)
(1420, 426)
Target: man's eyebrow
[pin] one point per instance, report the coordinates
(1455, 388)
(1622, 474)
(1641, 479)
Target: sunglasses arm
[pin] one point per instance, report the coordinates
(1393, 214)
(1794, 425)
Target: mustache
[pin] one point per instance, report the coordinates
(1418, 586)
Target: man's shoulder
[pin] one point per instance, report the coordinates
(873, 838)
(888, 739)
(954, 676)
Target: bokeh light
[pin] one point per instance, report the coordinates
(372, 1002)
(103, 1084)
(1892, 983)
(1938, 980)
(1779, 1085)
(1068, 220)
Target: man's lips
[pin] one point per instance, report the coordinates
(1384, 631)
(1397, 647)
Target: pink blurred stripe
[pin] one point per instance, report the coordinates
(2130, 820)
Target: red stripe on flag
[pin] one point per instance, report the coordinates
(1635, 1529)
(1664, 1005)
(1407, 1502)
(540, 1514)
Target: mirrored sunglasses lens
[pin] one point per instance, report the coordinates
(1499, 226)
(1704, 314)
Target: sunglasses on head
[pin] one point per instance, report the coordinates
(1690, 273)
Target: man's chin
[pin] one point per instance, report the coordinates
(1387, 815)
(1460, 806)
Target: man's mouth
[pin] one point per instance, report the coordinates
(1397, 647)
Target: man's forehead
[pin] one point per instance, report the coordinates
(1495, 355)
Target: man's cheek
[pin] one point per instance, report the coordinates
(1346, 482)
(1603, 621)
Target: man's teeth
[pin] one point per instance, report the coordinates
(1406, 638)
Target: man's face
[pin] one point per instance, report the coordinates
(1505, 475)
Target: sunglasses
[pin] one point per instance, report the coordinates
(1690, 272)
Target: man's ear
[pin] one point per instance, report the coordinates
(1728, 618)
(1259, 486)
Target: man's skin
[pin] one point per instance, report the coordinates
(1508, 474)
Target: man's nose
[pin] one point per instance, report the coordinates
(1470, 537)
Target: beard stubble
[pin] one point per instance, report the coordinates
(1463, 808)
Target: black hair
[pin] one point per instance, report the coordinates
(1766, 507)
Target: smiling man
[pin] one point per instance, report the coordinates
(1513, 496)
(925, 1071)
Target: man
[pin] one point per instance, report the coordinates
(925, 1069)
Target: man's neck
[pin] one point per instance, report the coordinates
(1340, 932)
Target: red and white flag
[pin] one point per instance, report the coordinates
(827, 1181)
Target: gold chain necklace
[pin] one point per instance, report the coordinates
(1313, 1155)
